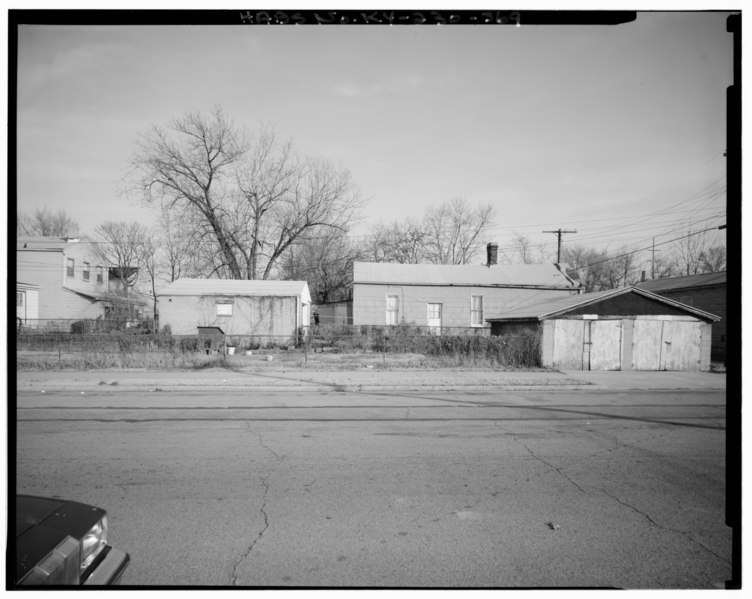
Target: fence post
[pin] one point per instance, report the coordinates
(306, 340)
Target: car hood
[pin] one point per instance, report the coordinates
(30, 511)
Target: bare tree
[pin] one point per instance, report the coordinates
(455, 231)
(665, 267)
(714, 259)
(325, 262)
(185, 165)
(398, 241)
(181, 252)
(626, 267)
(43, 222)
(148, 253)
(592, 267)
(247, 202)
(689, 252)
(121, 245)
(524, 251)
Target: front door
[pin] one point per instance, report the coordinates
(434, 318)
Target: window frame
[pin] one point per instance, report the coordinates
(70, 268)
(474, 311)
(226, 309)
(86, 271)
(392, 311)
(100, 275)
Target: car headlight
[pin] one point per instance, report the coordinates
(93, 542)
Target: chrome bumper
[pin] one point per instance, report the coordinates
(110, 569)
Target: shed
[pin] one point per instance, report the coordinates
(275, 310)
(210, 339)
(706, 292)
(334, 313)
(618, 329)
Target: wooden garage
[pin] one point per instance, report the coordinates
(618, 329)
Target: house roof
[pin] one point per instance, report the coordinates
(524, 275)
(238, 287)
(676, 283)
(561, 305)
(134, 298)
(45, 244)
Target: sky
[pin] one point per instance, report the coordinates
(617, 132)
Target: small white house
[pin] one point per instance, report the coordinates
(258, 308)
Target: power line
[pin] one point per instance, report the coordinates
(649, 247)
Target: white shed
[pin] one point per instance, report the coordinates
(276, 309)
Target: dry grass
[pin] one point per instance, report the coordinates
(376, 348)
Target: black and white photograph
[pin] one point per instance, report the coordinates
(374, 299)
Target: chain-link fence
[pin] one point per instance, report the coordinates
(455, 347)
(82, 326)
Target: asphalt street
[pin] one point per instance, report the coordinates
(502, 488)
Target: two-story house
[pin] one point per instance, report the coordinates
(61, 278)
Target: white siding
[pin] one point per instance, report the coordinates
(250, 315)
(369, 302)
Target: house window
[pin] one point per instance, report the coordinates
(224, 309)
(19, 299)
(100, 274)
(392, 309)
(86, 271)
(476, 310)
(69, 267)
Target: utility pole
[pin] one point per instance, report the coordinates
(559, 233)
(652, 265)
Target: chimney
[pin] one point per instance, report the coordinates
(642, 277)
(492, 250)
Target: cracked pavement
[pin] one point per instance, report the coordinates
(262, 509)
(505, 488)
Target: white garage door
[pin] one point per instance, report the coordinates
(666, 345)
(681, 345)
(568, 344)
(605, 344)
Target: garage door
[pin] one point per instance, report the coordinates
(646, 344)
(605, 344)
(587, 344)
(568, 344)
(666, 345)
(680, 349)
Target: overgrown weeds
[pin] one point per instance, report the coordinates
(383, 347)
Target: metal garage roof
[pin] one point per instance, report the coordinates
(238, 287)
(525, 275)
(561, 305)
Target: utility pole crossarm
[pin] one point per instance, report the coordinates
(559, 233)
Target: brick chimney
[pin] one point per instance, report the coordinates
(492, 250)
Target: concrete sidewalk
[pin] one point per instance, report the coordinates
(365, 380)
